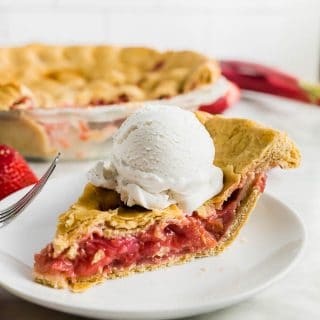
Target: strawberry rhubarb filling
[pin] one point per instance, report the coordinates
(158, 244)
(23, 103)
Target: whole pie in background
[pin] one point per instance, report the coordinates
(43, 76)
(39, 82)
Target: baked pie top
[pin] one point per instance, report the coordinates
(242, 147)
(65, 76)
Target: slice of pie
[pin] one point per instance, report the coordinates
(99, 237)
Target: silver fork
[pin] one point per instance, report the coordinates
(7, 215)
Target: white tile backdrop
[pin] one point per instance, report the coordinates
(282, 33)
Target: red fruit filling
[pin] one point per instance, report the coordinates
(122, 98)
(159, 243)
(23, 103)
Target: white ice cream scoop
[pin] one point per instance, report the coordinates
(161, 155)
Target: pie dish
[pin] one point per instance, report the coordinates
(99, 237)
(73, 98)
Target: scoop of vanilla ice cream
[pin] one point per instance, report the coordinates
(161, 155)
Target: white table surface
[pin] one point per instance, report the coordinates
(297, 296)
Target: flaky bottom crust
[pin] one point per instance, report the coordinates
(81, 284)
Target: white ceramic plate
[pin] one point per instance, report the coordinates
(264, 251)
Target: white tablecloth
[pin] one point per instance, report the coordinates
(295, 297)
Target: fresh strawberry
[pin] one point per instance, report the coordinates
(14, 171)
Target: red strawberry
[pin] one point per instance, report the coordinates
(14, 171)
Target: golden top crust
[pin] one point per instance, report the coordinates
(14, 95)
(81, 76)
(101, 210)
(242, 147)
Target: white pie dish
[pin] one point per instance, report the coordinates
(84, 133)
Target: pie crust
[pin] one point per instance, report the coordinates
(245, 150)
(43, 76)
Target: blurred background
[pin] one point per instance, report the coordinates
(282, 33)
